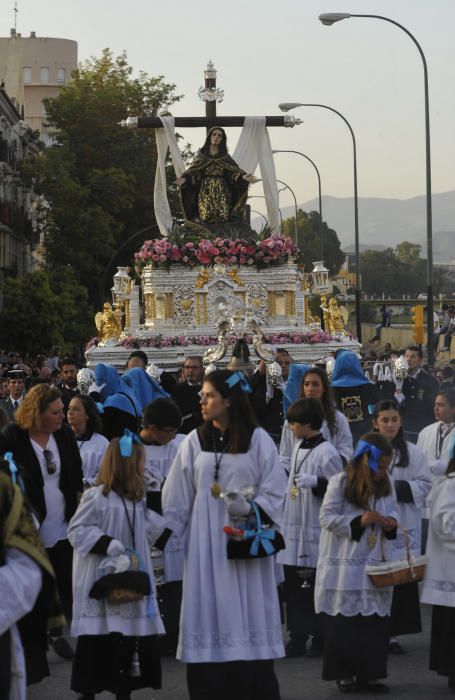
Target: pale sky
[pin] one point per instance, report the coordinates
(271, 51)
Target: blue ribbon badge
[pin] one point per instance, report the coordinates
(126, 443)
(239, 378)
(260, 536)
(373, 452)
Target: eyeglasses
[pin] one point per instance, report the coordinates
(50, 464)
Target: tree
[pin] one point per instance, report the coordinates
(45, 308)
(99, 177)
(309, 240)
(408, 253)
(382, 271)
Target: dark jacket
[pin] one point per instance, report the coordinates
(14, 439)
(418, 406)
(354, 403)
(6, 405)
(270, 415)
(67, 395)
(187, 398)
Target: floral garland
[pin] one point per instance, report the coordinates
(160, 341)
(162, 253)
(277, 339)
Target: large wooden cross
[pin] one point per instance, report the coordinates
(210, 94)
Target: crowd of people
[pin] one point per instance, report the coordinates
(195, 514)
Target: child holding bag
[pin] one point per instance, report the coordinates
(117, 647)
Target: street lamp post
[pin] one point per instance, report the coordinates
(321, 233)
(255, 211)
(330, 18)
(285, 107)
(260, 196)
(286, 186)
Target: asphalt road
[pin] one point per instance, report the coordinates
(299, 678)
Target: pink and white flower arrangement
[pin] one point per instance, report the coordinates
(162, 253)
(279, 339)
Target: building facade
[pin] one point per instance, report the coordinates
(33, 68)
(20, 207)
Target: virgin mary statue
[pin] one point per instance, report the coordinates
(214, 189)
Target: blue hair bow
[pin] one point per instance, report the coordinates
(126, 443)
(8, 456)
(373, 452)
(13, 470)
(239, 378)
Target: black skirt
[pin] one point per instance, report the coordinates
(405, 613)
(442, 645)
(244, 680)
(301, 618)
(103, 662)
(355, 647)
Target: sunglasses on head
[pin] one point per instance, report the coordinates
(50, 464)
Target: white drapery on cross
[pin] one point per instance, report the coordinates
(253, 149)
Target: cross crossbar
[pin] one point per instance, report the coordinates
(287, 120)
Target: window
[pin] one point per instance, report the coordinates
(43, 110)
(44, 75)
(61, 76)
(27, 75)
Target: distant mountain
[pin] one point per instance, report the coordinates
(390, 221)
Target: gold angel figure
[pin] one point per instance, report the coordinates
(109, 324)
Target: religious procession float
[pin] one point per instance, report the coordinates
(211, 280)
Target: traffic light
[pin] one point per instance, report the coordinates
(417, 324)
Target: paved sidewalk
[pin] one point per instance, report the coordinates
(299, 678)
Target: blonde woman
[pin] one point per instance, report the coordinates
(46, 451)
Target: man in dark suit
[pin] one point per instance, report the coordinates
(419, 392)
(269, 408)
(186, 394)
(16, 387)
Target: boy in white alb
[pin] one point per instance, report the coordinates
(314, 461)
(160, 422)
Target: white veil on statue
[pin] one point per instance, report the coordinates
(253, 149)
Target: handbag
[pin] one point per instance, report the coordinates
(128, 586)
(262, 541)
(396, 573)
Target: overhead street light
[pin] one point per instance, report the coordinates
(321, 231)
(329, 18)
(285, 107)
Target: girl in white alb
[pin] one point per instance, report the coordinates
(113, 518)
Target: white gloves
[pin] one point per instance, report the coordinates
(437, 467)
(306, 481)
(115, 548)
(237, 505)
(153, 479)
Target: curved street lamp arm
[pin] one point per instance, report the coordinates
(319, 191)
(129, 240)
(295, 205)
(430, 333)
